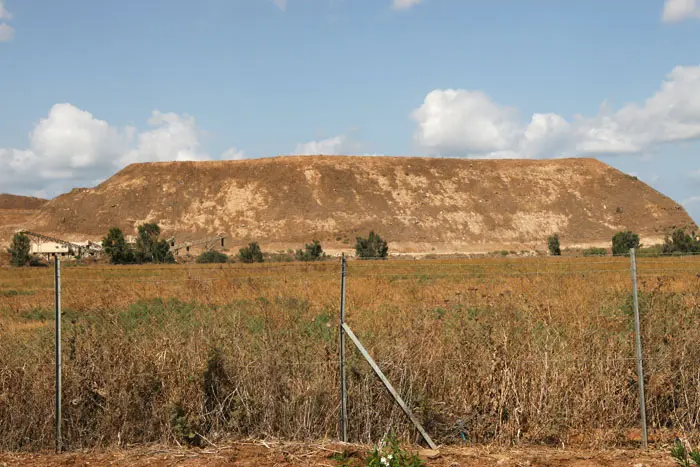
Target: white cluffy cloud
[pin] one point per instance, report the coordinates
(7, 32)
(232, 154)
(395, 4)
(71, 147)
(329, 146)
(404, 4)
(468, 123)
(680, 10)
(174, 138)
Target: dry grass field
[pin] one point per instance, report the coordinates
(504, 352)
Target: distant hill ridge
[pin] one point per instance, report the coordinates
(419, 204)
(20, 202)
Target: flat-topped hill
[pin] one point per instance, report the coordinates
(419, 204)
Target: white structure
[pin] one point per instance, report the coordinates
(49, 248)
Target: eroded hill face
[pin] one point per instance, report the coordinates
(419, 204)
(14, 202)
(17, 212)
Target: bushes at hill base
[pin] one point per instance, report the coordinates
(681, 243)
(311, 252)
(553, 245)
(373, 246)
(19, 250)
(623, 242)
(251, 253)
(595, 252)
(212, 256)
(149, 248)
(115, 246)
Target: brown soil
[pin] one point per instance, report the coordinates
(421, 205)
(20, 202)
(16, 213)
(295, 454)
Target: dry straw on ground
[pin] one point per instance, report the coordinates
(500, 351)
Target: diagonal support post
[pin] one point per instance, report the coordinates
(388, 385)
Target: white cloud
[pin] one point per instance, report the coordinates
(232, 154)
(4, 14)
(680, 10)
(395, 4)
(175, 138)
(692, 201)
(7, 32)
(404, 4)
(329, 146)
(468, 123)
(70, 147)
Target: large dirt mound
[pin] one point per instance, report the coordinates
(419, 204)
(20, 202)
(16, 212)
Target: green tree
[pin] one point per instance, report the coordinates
(311, 252)
(150, 248)
(251, 253)
(20, 250)
(116, 248)
(679, 243)
(622, 242)
(212, 256)
(371, 247)
(553, 245)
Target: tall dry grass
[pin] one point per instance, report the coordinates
(533, 351)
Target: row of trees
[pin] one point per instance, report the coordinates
(149, 247)
(678, 242)
(372, 246)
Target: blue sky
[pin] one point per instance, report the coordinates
(87, 87)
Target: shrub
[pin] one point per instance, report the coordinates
(553, 245)
(311, 252)
(650, 251)
(20, 250)
(150, 248)
(392, 455)
(683, 456)
(679, 243)
(622, 242)
(116, 248)
(371, 247)
(212, 256)
(595, 252)
(251, 253)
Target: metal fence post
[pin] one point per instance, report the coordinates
(638, 346)
(343, 377)
(57, 290)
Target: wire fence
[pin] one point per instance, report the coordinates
(446, 291)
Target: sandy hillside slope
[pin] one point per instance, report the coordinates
(419, 204)
(17, 212)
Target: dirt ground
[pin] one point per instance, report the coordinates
(268, 454)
